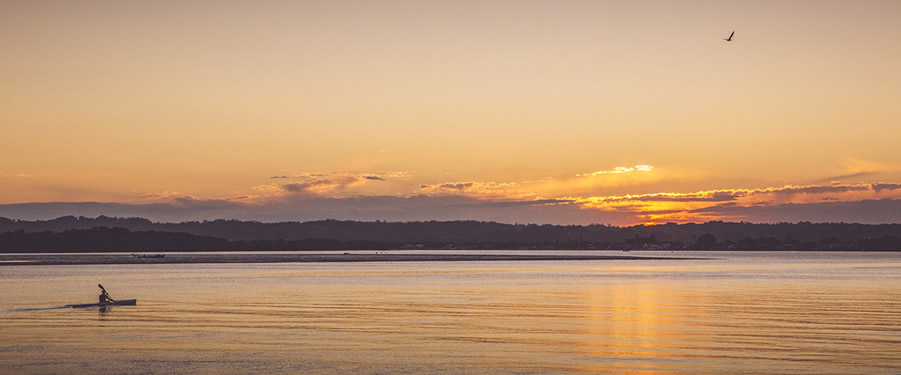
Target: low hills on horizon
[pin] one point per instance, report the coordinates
(70, 233)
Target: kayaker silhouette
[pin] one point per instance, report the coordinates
(104, 296)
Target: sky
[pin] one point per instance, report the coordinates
(563, 112)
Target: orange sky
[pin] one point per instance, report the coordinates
(593, 111)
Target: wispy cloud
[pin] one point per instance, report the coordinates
(162, 195)
(303, 208)
(857, 169)
(888, 187)
(192, 201)
(323, 186)
(872, 211)
(549, 187)
(477, 189)
(330, 184)
(869, 203)
(708, 205)
(620, 170)
(581, 197)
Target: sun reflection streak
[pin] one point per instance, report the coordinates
(625, 324)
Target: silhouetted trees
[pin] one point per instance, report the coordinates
(103, 239)
(136, 234)
(706, 242)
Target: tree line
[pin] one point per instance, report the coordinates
(105, 239)
(476, 231)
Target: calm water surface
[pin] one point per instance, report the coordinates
(828, 313)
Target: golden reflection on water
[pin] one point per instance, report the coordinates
(687, 317)
(632, 327)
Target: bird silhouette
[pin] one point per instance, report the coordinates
(729, 39)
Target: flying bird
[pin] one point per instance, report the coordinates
(730, 37)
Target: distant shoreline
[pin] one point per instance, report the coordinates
(189, 258)
(105, 234)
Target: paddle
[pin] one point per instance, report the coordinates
(108, 297)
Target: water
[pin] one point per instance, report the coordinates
(754, 313)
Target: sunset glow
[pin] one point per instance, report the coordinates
(382, 187)
(603, 112)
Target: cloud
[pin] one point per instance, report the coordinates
(887, 187)
(846, 176)
(337, 195)
(338, 183)
(459, 186)
(531, 202)
(222, 203)
(620, 170)
(864, 211)
(302, 187)
(163, 195)
(307, 207)
(332, 184)
(854, 168)
(655, 207)
(321, 186)
(171, 212)
(705, 196)
(735, 204)
(812, 189)
(483, 190)
(609, 182)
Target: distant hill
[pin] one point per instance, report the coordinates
(250, 235)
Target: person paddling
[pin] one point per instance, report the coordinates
(104, 296)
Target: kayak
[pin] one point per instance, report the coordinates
(124, 302)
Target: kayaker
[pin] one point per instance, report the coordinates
(104, 296)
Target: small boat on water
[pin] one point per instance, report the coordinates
(124, 302)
